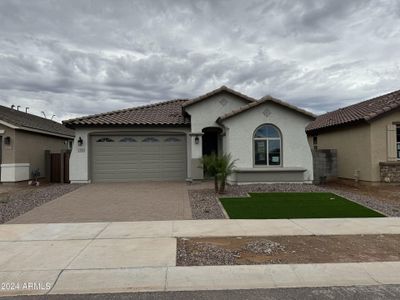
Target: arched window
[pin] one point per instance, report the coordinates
(127, 139)
(105, 140)
(267, 146)
(172, 140)
(150, 139)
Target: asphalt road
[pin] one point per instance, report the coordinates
(359, 292)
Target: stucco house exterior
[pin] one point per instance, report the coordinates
(166, 140)
(24, 138)
(366, 136)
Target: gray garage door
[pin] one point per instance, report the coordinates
(138, 157)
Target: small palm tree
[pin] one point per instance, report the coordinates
(225, 166)
(210, 165)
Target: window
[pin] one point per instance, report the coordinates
(267, 146)
(315, 142)
(398, 140)
(172, 140)
(105, 140)
(127, 140)
(150, 140)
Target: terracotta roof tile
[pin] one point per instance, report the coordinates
(363, 111)
(162, 113)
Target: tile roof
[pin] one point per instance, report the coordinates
(27, 121)
(264, 100)
(162, 113)
(216, 91)
(363, 111)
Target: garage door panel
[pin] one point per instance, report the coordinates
(130, 158)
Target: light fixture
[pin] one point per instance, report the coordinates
(80, 142)
(196, 140)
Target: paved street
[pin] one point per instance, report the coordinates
(387, 292)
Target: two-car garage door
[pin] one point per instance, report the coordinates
(138, 157)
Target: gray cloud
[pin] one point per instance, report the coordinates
(72, 58)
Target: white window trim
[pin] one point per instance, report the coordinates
(267, 147)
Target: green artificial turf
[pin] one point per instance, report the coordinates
(294, 205)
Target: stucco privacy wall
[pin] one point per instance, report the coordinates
(353, 146)
(79, 162)
(204, 114)
(295, 149)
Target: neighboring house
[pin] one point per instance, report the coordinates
(166, 140)
(366, 136)
(23, 140)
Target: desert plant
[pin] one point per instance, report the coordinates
(210, 164)
(36, 175)
(225, 166)
(218, 167)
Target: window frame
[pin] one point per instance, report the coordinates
(267, 139)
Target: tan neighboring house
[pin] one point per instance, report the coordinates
(23, 140)
(366, 136)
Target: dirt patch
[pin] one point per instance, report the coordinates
(287, 249)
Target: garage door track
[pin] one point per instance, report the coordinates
(115, 202)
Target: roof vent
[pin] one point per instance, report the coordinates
(13, 106)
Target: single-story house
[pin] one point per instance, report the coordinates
(24, 137)
(166, 140)
(366, 136)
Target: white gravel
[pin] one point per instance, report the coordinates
(21, 201)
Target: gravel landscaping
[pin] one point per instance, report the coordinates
(200, 252)
(287, 249)
(205, 205)
(19, 201)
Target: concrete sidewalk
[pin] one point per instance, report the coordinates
(141, 256)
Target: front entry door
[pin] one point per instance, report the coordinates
(210, 142)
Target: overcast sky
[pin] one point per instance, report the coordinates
(72, 58)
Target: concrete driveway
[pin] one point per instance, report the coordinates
(113, 202)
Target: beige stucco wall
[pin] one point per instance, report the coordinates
(360, 147)
(353, 146)
(8, 151)
(379, 151)
(30, 147)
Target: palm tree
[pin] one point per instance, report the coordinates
(210, 165)
(225, 166)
